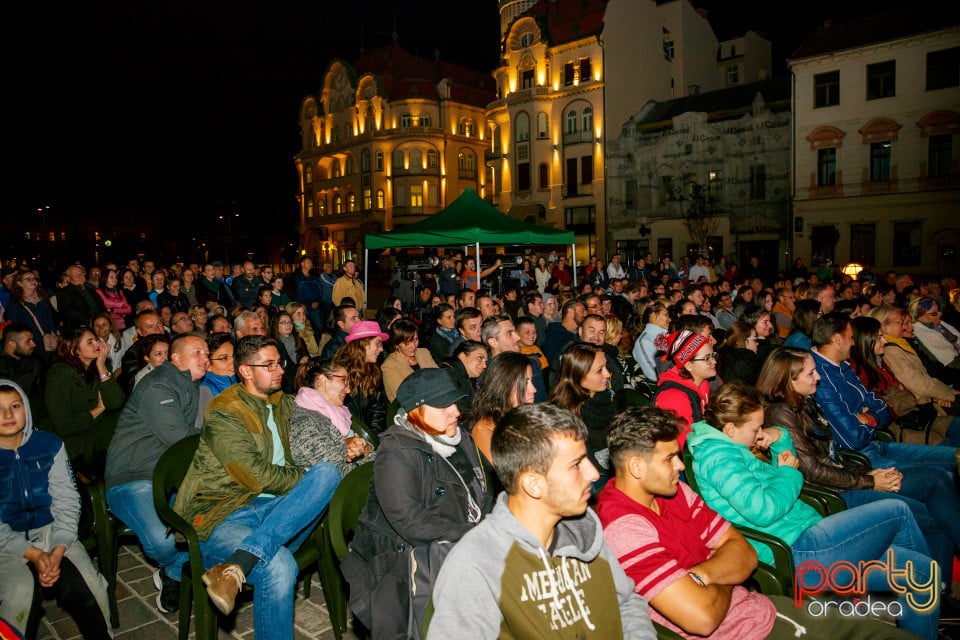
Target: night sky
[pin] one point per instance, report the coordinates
(184, 110)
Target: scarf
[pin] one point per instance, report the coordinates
(939, 328)
(900, 342)
(313, 400)
(450, 335)
(442, 445)
(217, 383)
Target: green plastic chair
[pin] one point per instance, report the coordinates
(167, 476)
(770, 579)
(336, 532)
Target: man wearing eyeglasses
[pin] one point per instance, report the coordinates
(251, 506)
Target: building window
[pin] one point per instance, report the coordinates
(882, 80)
(582, 217)
(309, 208)
(863, 239)
(587, 119)
(586, 170)
(523, 176)
(416, 198)
(416, 160)
(406, 120)
(378, 160)
(826, 167)
(526, 40)
(571, 121)
(733, 75)
(381, 200)
(336, 168)
(906, 244)
(667, 45)
(432, 159)
(309, 175)
(943, 68)
(543, 176)
(526, 78)
(586, 70)
(758, 182)
(398, 164)
(365, 161)
(826, 89)
(351, 202)
(424, 121)
(664, 247)
(351, 166)
(880, 161)
(568, 74)
(322, 206)
(940, 155)
(715, 185)
(542, 125)
(367, 199)
(523, 127)
(337, 204)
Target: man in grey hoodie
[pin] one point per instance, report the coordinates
(537, 566)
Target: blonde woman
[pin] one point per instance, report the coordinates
(298, 311)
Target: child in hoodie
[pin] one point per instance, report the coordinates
(39, 550)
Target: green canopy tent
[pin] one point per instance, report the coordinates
(469, 220)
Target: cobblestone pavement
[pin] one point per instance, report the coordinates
(140, 619)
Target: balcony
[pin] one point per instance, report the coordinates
(577, 137)
(416, 171)
(827, 191)
(878, 187)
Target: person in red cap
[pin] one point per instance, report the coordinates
(683, 388)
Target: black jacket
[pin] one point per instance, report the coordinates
(372, 411)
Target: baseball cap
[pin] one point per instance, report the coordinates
(432, 387)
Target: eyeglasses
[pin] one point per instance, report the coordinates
(224, 357)
(271, 366)
(710, 357)
(752, 338)
(29, 279)
(285, 322)
(336, 376)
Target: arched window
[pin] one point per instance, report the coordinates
(398, 163)
(321, 205)
(337, 204)
(365, 161)
(433, 159)
(587, 119)
(381, 200)
(416, 160)
(351, 203)
(351, 166)
(523, 126)
(571, 121)
(469, 129)
(308, 176)
(309, 208)
(542, 125)
(378, 158)
(335, 168)
(467, 160)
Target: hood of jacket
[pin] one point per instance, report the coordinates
(28, 426)
(580, 537)
(673, 374)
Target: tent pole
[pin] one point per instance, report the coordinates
(476, 285)
(573, 260)
(366, 271)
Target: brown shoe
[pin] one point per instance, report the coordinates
(223, 584)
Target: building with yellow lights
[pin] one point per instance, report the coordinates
(572, 72)
(390, 138)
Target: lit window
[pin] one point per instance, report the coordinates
(337, 204)
(322, 205)
(351, 202)
(381, 200)
(367, 199)
(416, 197)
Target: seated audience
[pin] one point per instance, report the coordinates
(507, 383)
(367, 398)
(406, 357)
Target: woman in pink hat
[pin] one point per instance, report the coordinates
(683, 388)
(359, 356)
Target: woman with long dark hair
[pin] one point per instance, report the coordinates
(583, 388)
(83, 399)
(805, 313)
(749, 475)
(30, 306)
(465, 364)
(737, 355)
(111, 293)
(508, 383)
(292, 348)
(359, 356)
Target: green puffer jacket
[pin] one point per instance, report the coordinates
(234, 462)
(748, 491)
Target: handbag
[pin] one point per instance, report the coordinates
(919, 419)
(50, 340)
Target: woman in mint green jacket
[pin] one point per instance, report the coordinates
(749, 476)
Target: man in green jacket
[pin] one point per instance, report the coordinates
(251, 506)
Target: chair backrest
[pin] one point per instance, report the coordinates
(167, 476)
(348, 501)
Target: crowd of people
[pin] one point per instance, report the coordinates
(494, 417)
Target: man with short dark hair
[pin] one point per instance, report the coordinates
(17, 364)
(537, 566)
(251, 506)
(76, 302)
(563, 333)
(686, 560)
(349, 286)
(146, 323)
(533, 308)
(484, 302)
(343, 317)
(246, 285)
(210, 290)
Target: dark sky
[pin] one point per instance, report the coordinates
(181, 108)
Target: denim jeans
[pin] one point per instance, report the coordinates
(866, 533)
(953, 433)
(899, 455)
(132, 502)
(272, 529)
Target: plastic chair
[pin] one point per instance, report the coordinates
(336, 531)
(167, 476)
(769, 579)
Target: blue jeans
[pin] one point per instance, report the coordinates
(132, 502)
(953, 433)
(272, 529)
(867, 533)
